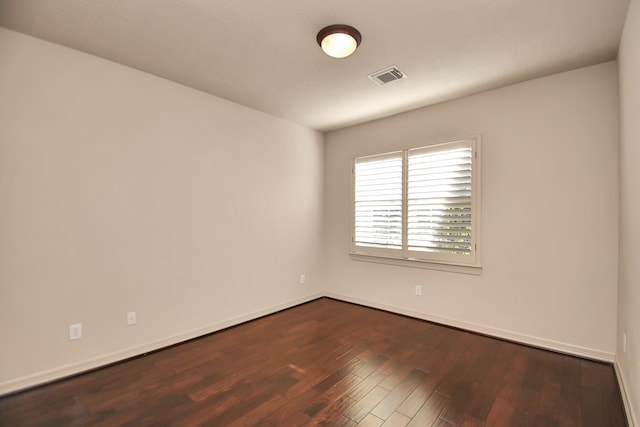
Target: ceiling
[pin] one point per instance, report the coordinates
(263, 53)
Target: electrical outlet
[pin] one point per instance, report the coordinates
(303, 279)
(624, 343)
(418, 290)
(75, 331)
(131, 318)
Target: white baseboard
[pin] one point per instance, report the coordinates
(486, 330)
(626, 400)
(57, 373)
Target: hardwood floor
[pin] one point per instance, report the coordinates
(332, 363)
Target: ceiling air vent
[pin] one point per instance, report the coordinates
(387, 75)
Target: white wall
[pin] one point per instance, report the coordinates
(629, 292)
(550, 209)
(122, 191)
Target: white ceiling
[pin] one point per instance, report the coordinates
(263, 53)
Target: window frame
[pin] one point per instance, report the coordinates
(412, 258)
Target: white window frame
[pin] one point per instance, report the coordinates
(414, 258)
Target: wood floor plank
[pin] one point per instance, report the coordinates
(330, 363)
(471, 421)
(364, 387)
(370, 421)
(362, 408)
(344, 386)
(389, 404)
(430, 411)
(396, 420)
(417, 398)
(502, 409)
(334, 412)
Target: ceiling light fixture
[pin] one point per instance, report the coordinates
(339, 41)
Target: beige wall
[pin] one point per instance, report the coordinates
(550, 209)
(121, 191)
(629, 293)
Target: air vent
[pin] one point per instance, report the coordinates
(387, 75)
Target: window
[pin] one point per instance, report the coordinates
(420, 204)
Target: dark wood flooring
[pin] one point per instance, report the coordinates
(332, 363)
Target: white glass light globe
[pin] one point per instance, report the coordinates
(339, 45)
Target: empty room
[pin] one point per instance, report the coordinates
(319, 212)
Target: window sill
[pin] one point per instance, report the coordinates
(463, 269)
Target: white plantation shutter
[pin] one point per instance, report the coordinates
(378, 202)
(439, 201)
(421, 204)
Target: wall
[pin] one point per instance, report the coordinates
(629, 291)
(122, 191)
(550, 209)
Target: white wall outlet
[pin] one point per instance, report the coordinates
(418, 290)
(131, 318)
(75, 331)
(303, 279)
(624, 343)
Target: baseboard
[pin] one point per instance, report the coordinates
(58, 373)
(546, 344)
(626, 400)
